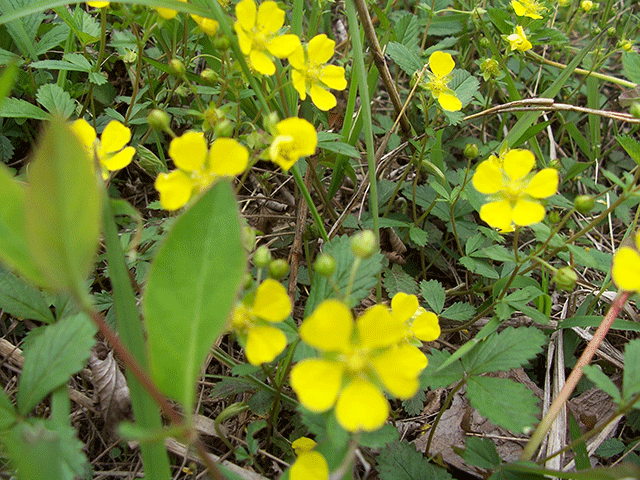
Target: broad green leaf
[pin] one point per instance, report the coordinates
(631, 372)
(459, 311)
(397, 280)
(406, 28)
(63, 209)
(631, 66)
(480, 452)
(479, 267)
(465, 85)
(504, 402)
(432, 378)
(511, 348)
(418, 236)
(71, 61)
(401, 461)
(8, 414)
(17, 108)
(406, 59)
(433, 293)
(21, 299)
(495, 252)
(604, 383)
(191, 289)
(379, 438)
(56, 100)
(51, 355)
(631, 146)
(22, 32)
(40, 449)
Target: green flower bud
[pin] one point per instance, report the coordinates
(565, 278)
(364, 244)
(131, 56)
(247, 281)
(325, 265)
(555, 163)
(584, 203)
(635, 110)
(490, 68)
(224, 128)
(262, 257)
(471, 151)
(177, 68)
(278, 269)
(596, 30)
(625, 45)
(484, 42)
(554, 216)
(159, 120)
(209, 76)
(611, 32)
(221, 43)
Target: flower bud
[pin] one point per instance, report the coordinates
(262, 257)
(471, 151)
(209, 76)
(584, 203)
(363, 244)
(278, 269)
(177, 68)
(554, 216)
(224, 128)
(158, 120)
(625, 45)
(555, 163)
(325, 265)
(484, 42)
(247, 281)
(490, 68)
(635, 110)
(221, 43)
(565, 279)
(586, 5)
(611, 32)
(595, 31)
(130, 56)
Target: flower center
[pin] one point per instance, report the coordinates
(357, 360)
(514, 188)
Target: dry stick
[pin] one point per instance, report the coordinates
(378, 58)
(576, 374)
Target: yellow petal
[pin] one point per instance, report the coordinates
(296, 59)
(86, 134)
(361, 407)
(119, 160)
(189, 151)
(271, 302)
(98, 4)
(175, 189)
(309, 466)
(488, 178)
(497, 214)
(426, 327)
(208, 25)
(246, 14)
(317, 383)
(404, 306)
(228, 157)
(243, 39)
(264, 343)
(299, 83)
(114, 137)
(518, 8)
(320, 49)
(449, 102)
(518, 163)
(303, 133)
(329, 327)
(398, 369)
(283, 45)
(322, 98)
(527, 213)
(626, 269)
(333, 77)
(377, 327)
(544, 183)
(261, 63)
(303, 444)
(441, 64)
(270, 17)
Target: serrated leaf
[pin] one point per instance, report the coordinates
(23, 32)
(51, 355)
(98, 78)
(22, 300)
(397, 280)
(504, 402)
(230, 386)
(434, 294)
(631, 372)
(480, 452)
(495, 252)
(459, 311)
(610, 447)
(418, 236)
(631, 66)
(479, 267)
(406, 59)
(511, 348)
(465, 85)
(401, 461)
(43, 449)
(631, 146)
(63, 209)
(407, 29)
(365, 279)
(333, 142)
(55, 100)
(379, 438)
(432, 378)
(17, 108)
(414, 405)
(191, 289)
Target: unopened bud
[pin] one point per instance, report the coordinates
(363, 244)
(209, 76)
(635, 110)
(611, 32)
(565, 278)
(471, 151)
(584, 203)
(221, 43)
(554, 216)
(325, 265)
(484, 42)
(158, 120)
(278, 269)
(224, 128)
(176, 68)
(262, 257)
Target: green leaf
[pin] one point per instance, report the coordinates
(8, 79)
(432, 378)
(406, 59)
(418, 236)
(434, 294)
(459, 311)
(401, 461)
(71, 61)
(43, 449)
(379, 438)
(22, 300)
(191, 289)
(480, 452)
(511, 348)
(495, 252)
(610, 448)
(465, 85)
(397, 280)
(56, 100)
(51, 355)
(631, 372)
(63, 209)
(333, 142)
(24, 31)
(16, 108)
(414, 405)
(631, 146)
(631, 66)
(7, 412)
(504, 402)
(479, 267)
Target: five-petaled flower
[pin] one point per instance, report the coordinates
(514, 191)
(358, 361)
(311, 75)
(626, 267)
(295, 138)
(253, 318)
(309, 465)
(527, 8)
(442, 64)
(198, 167)
(420, 324)
(258, 34)
(110, 150)
(518, 40)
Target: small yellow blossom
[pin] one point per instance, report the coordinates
(626, 267)
(527, 8)
(198, 167)
(358, 361)
(441, 65)
(513, 190)
(518, 40)
(110, 150)
(98, 4)
(311, 75)
(168, 13)
(586, 6)
(309, 466)
(420, 324)
(208, 25)
(295, 138)
(257, 31)
(263, 341)
(626, 45)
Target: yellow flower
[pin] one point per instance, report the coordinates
(207, 25)
(626, 267)
(98, 4)
(311, 75)
(310, 465)
(442, 64)
(198, 167)
(110, 150)
(420, 324)
(528, 8)
(586, 6)
(358, 361)
(258, 34)
(514, 191)
(168, 13)
(271, 304)
(518, 40)
(296, 138)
